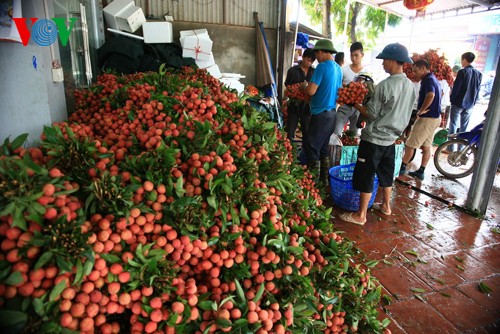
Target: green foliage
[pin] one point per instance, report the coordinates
(365, 23)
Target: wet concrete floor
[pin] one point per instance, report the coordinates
(434, 257)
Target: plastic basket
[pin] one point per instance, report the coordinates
(345, 155)
(341, 188)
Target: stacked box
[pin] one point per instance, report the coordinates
(124, 15)
(196, 44)
(157, 32)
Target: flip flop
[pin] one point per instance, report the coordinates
(347, 217)
(378, 207)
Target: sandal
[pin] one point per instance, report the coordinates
(378, 207)
(347, 217)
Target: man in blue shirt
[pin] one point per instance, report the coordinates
(322, 88)
(464, 94)
(428, 117)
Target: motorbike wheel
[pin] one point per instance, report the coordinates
(455, 158)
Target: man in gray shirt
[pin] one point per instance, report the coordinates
(387, 113)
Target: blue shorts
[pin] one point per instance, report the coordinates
(373, 159)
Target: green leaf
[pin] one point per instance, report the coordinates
(179, 187)
(205, 305)
(420, 297)
(386, 299)
(259, 293)
(14, 279)
(429, 226)
(19, 141)
(223, 323)
(372, 263)
(418, 290)
(10, 318)
(459, 259)
(445, 294)
(56, 291)
(38, 306)
(484, 288)
(412, 252)
(460, 267)
(88, 266)
(110, 258)
(79, 272)
(46, 257)
(212, 201)
(63, 264)
(239, 292)
(19, 220)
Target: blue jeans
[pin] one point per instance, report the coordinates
(318, 137)
(459, 119)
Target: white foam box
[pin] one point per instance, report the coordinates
(233, 83)
(196, 44)
(214, 71)
(112, 10)
(130, 19)
(206, 63)
(157, 32)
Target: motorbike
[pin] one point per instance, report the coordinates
(456, 157)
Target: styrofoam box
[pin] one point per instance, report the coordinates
(233, 83)
(113, 9)
(130, 19)
(214, 71)
(196, 44)
(206, 63)
(157, 32)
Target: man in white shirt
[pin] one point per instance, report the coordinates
(349, 73)
(445, 102)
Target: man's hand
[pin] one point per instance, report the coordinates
(304, 85)
(422, 112)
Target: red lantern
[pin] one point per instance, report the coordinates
(417, 4)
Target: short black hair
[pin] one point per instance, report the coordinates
(422, 63)
(469, 56)
(339, 57)
(309, 53)
(400, 62)
(356, 46)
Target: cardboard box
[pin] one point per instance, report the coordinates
(157, 32)
(214, 71)
(112, 10)
(196, 44)
(130, 19)
(206, 63)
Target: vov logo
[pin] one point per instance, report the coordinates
(44, 32)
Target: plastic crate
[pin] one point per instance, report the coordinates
(341, 188)
(345, 155)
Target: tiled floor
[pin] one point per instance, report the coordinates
(433, 258)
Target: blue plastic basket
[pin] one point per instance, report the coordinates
(341, 188)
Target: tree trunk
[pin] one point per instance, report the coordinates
(327, 25)
(355, 12)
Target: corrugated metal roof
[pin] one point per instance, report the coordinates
(233, 12)
(438, 8)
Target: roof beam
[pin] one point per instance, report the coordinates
(375, 5)
(482, 3)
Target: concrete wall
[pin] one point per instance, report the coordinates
(233, 46)
(28, 97)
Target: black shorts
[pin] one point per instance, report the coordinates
(373, 159)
